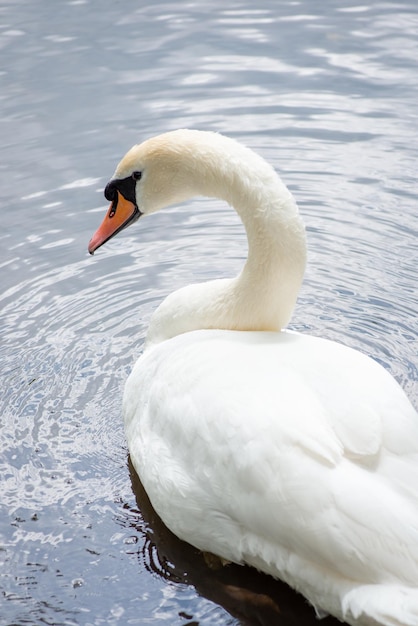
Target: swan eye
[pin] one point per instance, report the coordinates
(137, 175)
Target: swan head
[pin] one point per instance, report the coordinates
(152, 175)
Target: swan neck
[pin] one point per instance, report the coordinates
(263, 296)
(272, 275)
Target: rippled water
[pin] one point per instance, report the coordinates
(327, 92)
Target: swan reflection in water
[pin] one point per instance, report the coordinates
(255, 599)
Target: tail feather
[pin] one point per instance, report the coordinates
(388, 605)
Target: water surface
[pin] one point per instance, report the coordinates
(328, 95)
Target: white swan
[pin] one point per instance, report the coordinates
(290, 453)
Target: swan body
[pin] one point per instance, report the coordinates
(291, 453)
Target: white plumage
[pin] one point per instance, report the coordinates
(291, 453)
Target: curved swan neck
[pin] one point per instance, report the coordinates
(264, 294)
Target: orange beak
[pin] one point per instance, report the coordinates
(121, 213)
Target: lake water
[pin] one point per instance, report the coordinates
(328, 93)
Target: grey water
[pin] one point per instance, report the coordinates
(327, 92)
